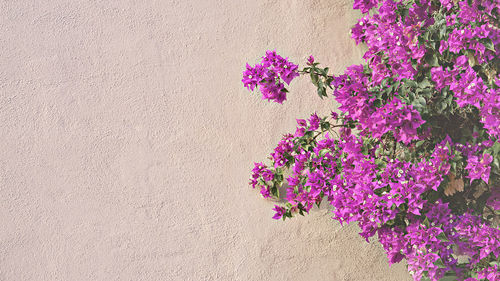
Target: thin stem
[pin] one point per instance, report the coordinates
(394, 148)
(308, 72)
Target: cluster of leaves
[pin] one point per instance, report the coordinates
(319, 77)
(414, 155)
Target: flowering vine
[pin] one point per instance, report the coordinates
(414, 155)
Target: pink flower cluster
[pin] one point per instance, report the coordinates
(351, 92)
(269, 75)
(378, 193)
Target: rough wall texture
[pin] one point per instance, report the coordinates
(127, 140)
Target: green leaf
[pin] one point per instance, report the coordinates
(442, 107)
(425, 83)
(419, 102)
(488, 44)
(445, 93)
(496, 148)
(449, 278)
(431, 59)
(314, 78)
(419, 143)
(411, 83)
(426, 36)
(321, 92)
(439, 263)
(442, 237)
(442, 32)
(405, 13)
(426, 222)
(411, 96)
(323, 152)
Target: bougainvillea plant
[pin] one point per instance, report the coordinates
(414, 155)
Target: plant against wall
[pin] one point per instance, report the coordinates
(413, 157)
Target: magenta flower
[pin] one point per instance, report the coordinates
(280, 211)
(490, 112)
(364, 5)
(310, 60)
(489, 273)
(269, 75)
(479, 168)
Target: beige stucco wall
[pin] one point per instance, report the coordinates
(127, 142)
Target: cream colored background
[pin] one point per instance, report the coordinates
(127, 142)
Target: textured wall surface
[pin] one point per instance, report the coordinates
(127, 142)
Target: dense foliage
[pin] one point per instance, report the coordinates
(413, 157)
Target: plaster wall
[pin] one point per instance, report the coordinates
(127, 142)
